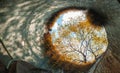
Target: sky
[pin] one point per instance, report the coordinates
(77, 16)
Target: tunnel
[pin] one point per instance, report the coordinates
(23, 26)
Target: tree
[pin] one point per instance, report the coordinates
(82, 43)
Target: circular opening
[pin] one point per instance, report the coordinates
(74, 40)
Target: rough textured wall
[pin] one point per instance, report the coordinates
(22, 25)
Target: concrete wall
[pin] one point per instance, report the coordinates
(22, 25)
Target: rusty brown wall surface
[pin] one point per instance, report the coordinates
(22, 24)
(109, 64)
